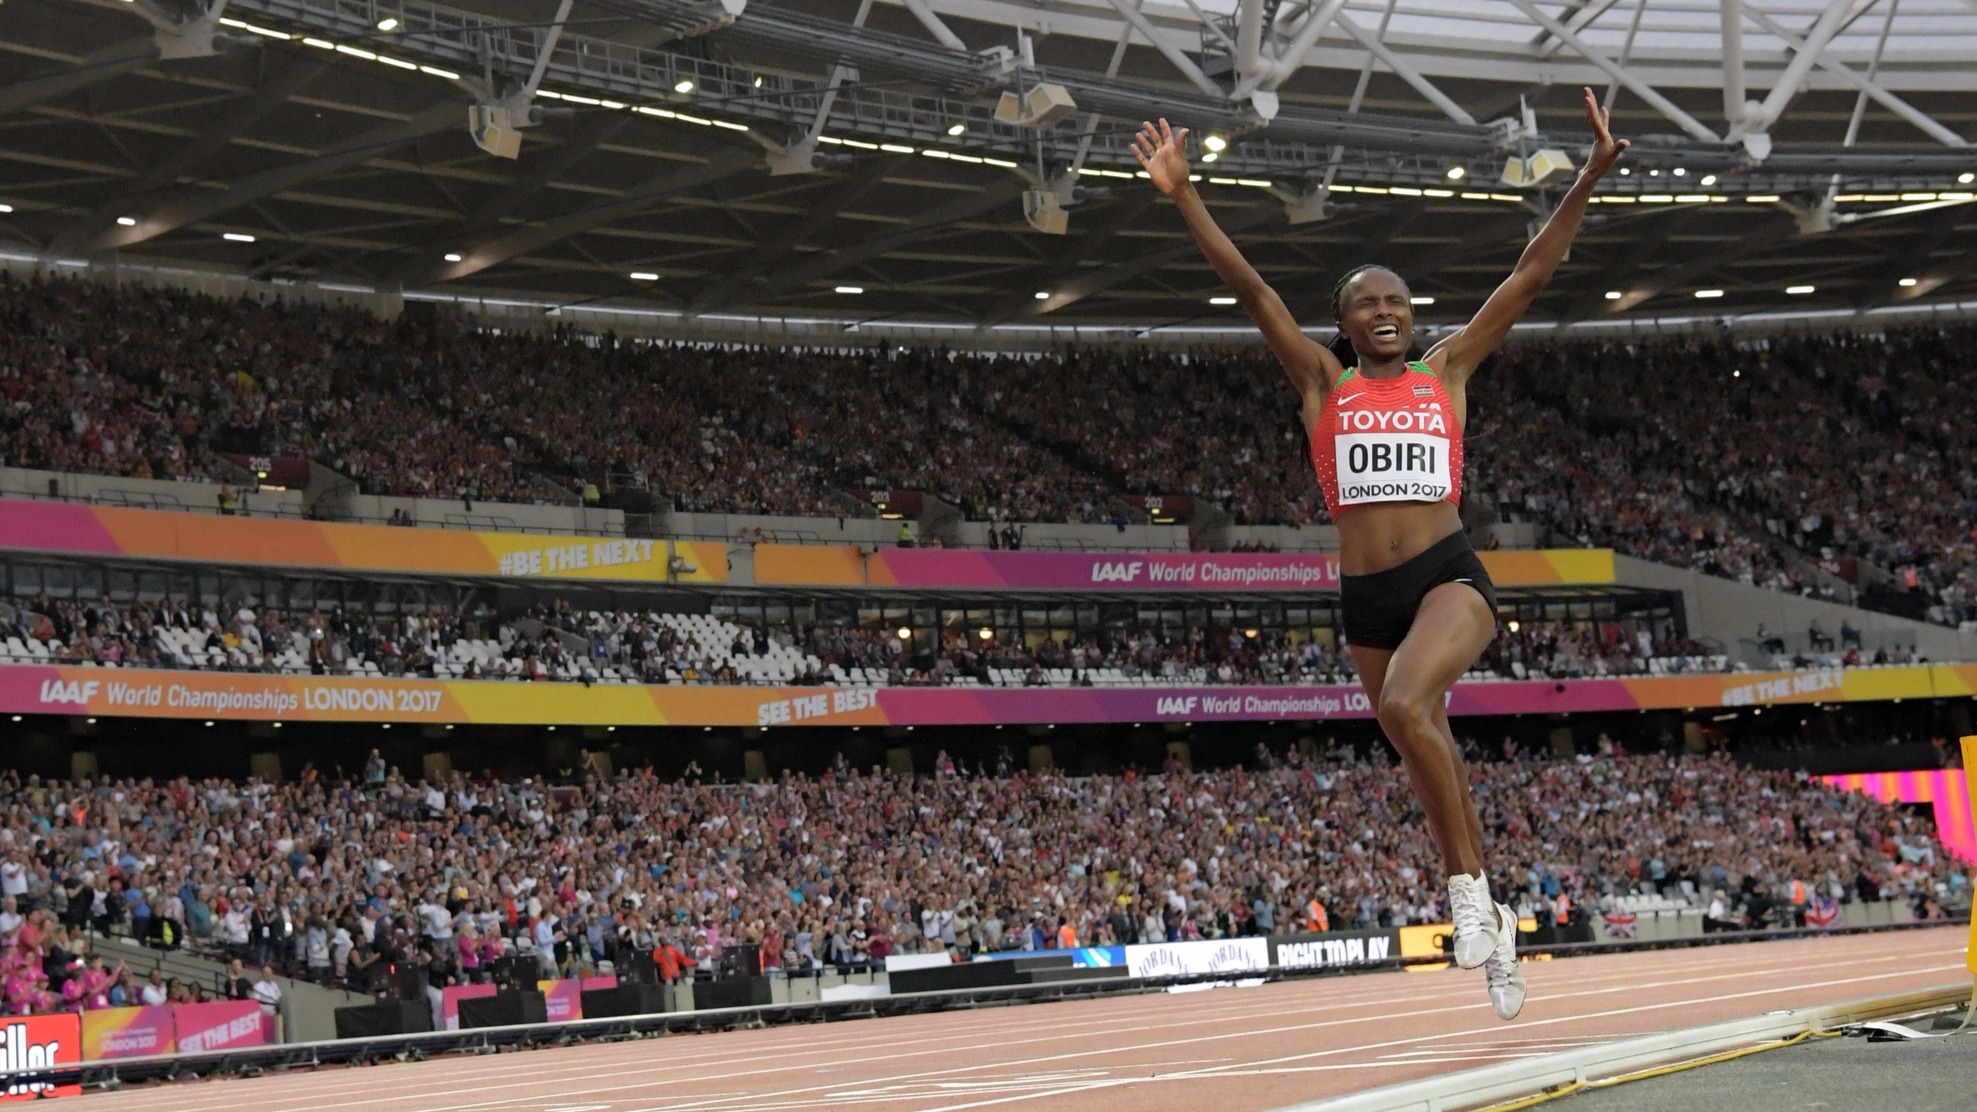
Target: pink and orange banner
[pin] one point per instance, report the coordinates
(563, 999)
(449, 1002)
(131, 692)
(165, 535)
(1211, 572)
(220, 1025)
(1948, 790)
(129, 1032)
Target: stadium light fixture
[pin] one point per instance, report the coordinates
(127, 221)
(851, 289)
(957, 129)
(1613, 295)
(1906, 283)
(1680, 173)
(644, 276)
(452, 256)
(1221, 301)
(905, 634)
(1420, 301)
(1799, 291)
(1043, 295)
(1215, 143)
(758, 80)
(1513, 625)
(1210, 156)
(986, 634)
(1708, 180)
(1708, 294)
(1455, 173)
(388, 23)
(1966, 178)
(6, 208)
(1626, 171)
(237, 237)
(684, 86)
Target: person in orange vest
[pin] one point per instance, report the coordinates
(1798, 900)
(671, 961)
(1562, 913)
(1067, 937)
(1315, 918)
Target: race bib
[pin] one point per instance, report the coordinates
(1392, 467)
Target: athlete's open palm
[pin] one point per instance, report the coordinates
(1161, 151)
(1606, 149)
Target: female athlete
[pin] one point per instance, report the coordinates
(1386, 438)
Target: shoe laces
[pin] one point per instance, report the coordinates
(1468, 901)
(1500, 969)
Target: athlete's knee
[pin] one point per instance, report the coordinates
(1405, 718)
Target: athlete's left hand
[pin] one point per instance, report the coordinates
(1606, 149)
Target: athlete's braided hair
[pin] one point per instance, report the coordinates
(1342, 347)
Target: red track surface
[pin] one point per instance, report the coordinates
(1230, 1050)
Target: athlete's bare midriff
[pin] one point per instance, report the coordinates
(1386, 535)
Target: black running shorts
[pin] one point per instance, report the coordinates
(1378, 609)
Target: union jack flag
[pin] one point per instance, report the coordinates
(1823, 911)
(1619, 922)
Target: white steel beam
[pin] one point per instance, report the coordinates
(1167, 50)
(934, 26)
(1634, 84)
(1807, 55)
(1880, 95)
(1733, 62)
(1249, 41)
(1291, 57)
(839, 74)
(1404, 71)
(1548, 44)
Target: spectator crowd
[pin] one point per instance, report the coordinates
(1815, 463)
(338, 879)
(559, 642)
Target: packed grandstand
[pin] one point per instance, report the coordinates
(1765, 460)
(338, 879)
(556, 641)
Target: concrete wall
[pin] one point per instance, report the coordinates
(158, 494)
(308, 1011)
(1728, 612)
(491, 517)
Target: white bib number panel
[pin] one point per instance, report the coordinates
(1391, 467)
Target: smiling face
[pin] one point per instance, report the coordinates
(1375, 313)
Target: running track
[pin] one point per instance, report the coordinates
(1230, 1050)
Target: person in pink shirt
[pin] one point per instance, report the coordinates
(21, 991)
(470, 953)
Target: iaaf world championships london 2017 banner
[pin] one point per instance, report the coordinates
(44, 689)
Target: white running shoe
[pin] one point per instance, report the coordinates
(1506, 980)
(1474, 913)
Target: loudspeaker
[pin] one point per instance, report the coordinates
(400, 982)
(630, 999)
(731, 992)
(503, 1009)
(394, 1017)
(741, 958)
(516, 971)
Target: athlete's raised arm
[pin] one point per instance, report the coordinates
(1458, 355)
(1310, 366)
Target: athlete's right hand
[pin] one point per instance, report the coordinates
(1161, 152)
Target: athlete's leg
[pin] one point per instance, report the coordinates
(1372, 665)
(1450, 630)
(1461, 772)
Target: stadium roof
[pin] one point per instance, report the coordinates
(759, 156)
